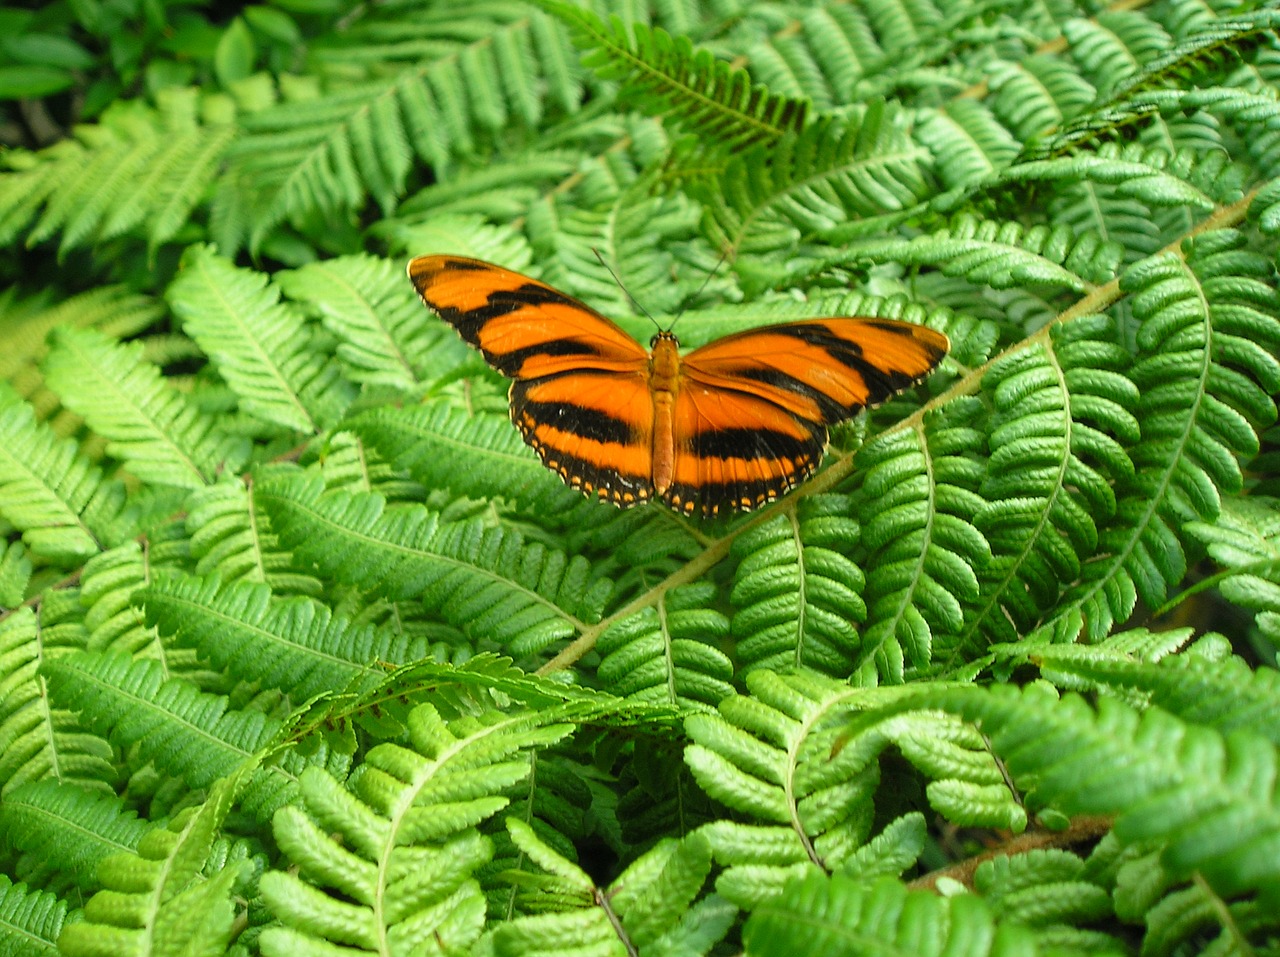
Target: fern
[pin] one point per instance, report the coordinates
(46, 820)
(487, 580)
(797, 593)
(65, 508)
(918, 506)
(713, 100)
(838, 915)
(30, 919)
(275, 568)
(146, 424)
(192, 735)
(1200, 402)
(157, 899)
(402, 872)
(39, 740)
(259, 346)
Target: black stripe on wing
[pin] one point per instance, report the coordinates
(590, 449)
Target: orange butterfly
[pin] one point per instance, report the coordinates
(735, 423)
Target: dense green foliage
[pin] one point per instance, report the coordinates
(303, 652)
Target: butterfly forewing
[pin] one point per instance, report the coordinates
(524, 328)
(823, 370)
(754, 407)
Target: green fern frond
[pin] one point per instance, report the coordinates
(999, 255)
(650, 908)
(977, 146)
(1201, 687)
(385, 337)
(806, 800)
(155, 431)
(296, 644)
(917, 502)
(261, 347)
(843, 917)
(670, 652)
(402, 871)
(111, 309)
(1205, 798)
(625, 228)
(114, 623)
(31, 920)
(191, 735)
(486, 580)
(63, 506)
(157, 900)
(1244, 540)
(139, 169)
(819, 182)
(228, 537)
(38, 740)
(479, 456)
(797, 593)
(15, 574)
(1205, 379)
(1049, 890)
(64, 831)
(1038, 94)
(1114, 46)
(665, 74)
(319, 156)
(1063, 416)
(1209, 47)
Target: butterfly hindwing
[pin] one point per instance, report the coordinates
(594, 429)
(737, 449)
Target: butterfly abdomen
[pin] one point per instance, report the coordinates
(664, 374)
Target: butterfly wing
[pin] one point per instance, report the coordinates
(580, 396)
(753, 409)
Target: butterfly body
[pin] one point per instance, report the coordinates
(735, 423)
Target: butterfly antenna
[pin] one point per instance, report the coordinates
(625, 291)
(706, 282)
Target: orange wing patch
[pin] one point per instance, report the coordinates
(733, 424)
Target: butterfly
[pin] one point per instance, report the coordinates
(735, 423)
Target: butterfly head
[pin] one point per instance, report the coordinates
(666, 335)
